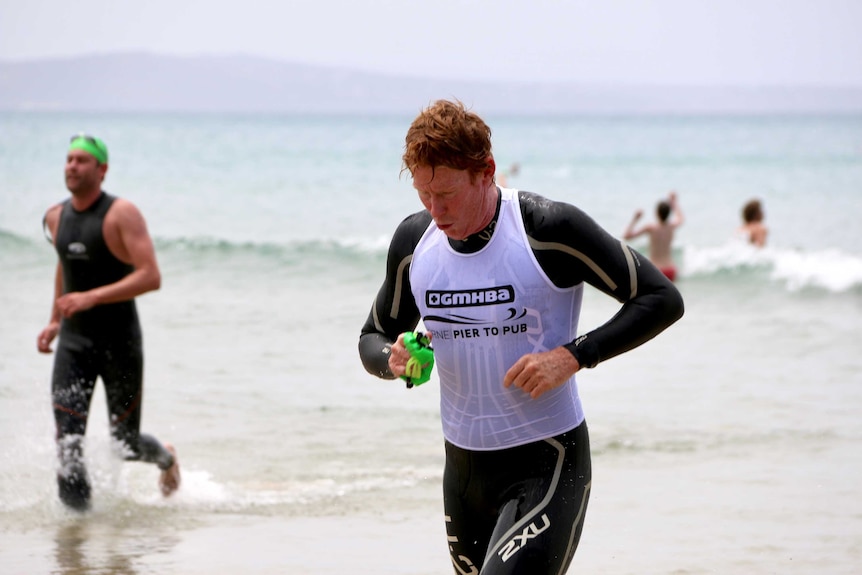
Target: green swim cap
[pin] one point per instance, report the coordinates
(93, 146)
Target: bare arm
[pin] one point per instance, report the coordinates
(678, 217)
(631, 232)
(50, 331)
(135, 246)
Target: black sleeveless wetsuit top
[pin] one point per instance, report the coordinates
(87, 263)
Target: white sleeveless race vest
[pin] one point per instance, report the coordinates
(485, 311)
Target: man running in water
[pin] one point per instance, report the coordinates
(106, 259)
(497, 275)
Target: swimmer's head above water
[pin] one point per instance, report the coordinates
(93, 146)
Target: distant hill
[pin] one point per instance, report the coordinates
(148, 82)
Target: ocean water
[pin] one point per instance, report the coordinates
(729, 444)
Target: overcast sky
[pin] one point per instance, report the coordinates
(653, 42)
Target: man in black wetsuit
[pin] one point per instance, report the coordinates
(106, 259)
(496, 275)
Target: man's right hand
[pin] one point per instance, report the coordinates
(398, 357)
(46, 336)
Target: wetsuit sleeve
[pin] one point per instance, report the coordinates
(394, 310)
(572, 248)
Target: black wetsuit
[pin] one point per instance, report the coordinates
(104, 341)
(521, 509)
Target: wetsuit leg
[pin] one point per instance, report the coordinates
(518, 510)
(469, 515)
(72, 385)
(122, 373)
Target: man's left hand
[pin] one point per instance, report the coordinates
(71, 303)
(537, 373)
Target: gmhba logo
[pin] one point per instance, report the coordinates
(470, 298)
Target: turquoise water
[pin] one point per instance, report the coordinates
(728, 444)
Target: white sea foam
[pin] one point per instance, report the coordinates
(829, 269)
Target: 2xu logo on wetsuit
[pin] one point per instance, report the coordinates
(519, 541)
(515, 544)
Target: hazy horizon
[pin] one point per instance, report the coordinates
(141, 81)
(409, 75)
